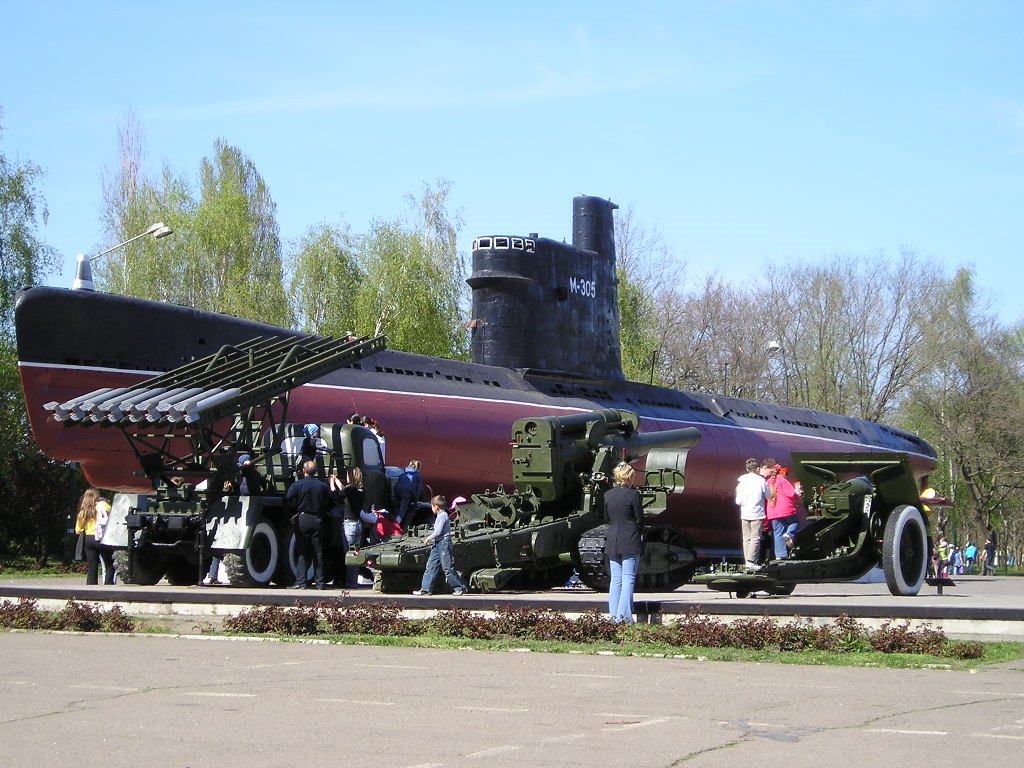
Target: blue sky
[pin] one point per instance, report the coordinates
(749, 134)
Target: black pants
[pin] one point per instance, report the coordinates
(309, 539)
(94, 554)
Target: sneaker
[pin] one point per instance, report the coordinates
(753, 568)
(458, 592)
(788, 539)
(419, 592)
(207, 581)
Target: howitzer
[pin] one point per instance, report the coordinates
(864, 510)
(552, 521)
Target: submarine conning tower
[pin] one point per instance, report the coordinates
(547, 305)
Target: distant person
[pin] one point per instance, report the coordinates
(310, 499)
(408, 489)
(91, 508)
(355, 418)
(442, 553)
(945, 553)
(624, 544)
(752, 495)
(988, 557)
(782, 511)
(970, 556)
(374, 426)
(351, 498)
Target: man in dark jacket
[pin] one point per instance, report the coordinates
(311, 500)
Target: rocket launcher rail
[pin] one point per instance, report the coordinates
(235, 378)
(193, 421)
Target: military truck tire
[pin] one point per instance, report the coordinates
(148, 569)
(905, 551)
(256, 565)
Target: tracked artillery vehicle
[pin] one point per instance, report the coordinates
(553, 520)
(197, 432)
(864, 511)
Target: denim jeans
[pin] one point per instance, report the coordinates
(353, 538)
(441, 558)
(781, 527)
(620, 594)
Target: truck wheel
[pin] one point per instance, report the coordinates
(905, 551)
(148, 569)
(256, 565)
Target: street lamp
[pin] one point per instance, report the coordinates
(83, 268)
(775, 349)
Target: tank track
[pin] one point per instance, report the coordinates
(590, 561)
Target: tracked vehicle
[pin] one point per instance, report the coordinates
(552, 522)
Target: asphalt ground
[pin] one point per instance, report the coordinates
(978, 607)
(86, 699)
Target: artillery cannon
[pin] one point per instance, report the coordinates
(552, 521)
(864, 510)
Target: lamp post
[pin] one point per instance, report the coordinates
(83, 268)
(775, 349)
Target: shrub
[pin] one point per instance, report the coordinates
(754, 634)
(257, 620)
(515, 622)
(964, 650)
(78, 617)
(24, 614)
(116, 620)
(367, 619)
(695, 628)
(457, 622)
(899, 638)
(299, 620)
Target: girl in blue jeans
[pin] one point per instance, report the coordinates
(624, 543)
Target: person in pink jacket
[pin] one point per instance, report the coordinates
(783, 508)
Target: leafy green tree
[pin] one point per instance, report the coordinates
(32, 516)
(225, 255)
(643, 270)
(971, 405)
(325, 277)
(236, 227)
(414, 289)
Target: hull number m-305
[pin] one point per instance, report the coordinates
(584, 288)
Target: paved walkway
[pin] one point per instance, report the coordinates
(73, 700)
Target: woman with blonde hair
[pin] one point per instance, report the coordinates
(93, 513)
(624, 544)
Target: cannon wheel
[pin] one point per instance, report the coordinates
(905, 551)
(148, 569)
(257, 564)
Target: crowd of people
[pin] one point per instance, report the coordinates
(360, 507)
